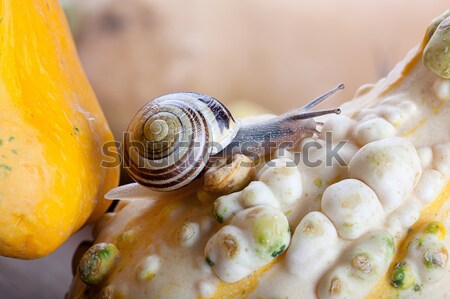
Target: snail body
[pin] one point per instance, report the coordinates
(171, 139)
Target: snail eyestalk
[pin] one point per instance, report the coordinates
(303, 113)
(315, 114)
(321, 98)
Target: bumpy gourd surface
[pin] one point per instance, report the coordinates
(372, 228)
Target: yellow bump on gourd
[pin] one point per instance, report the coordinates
(436, 55)
(126, 238)
(402, 277)
(148, 268)
(97, 263)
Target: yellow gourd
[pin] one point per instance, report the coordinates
(51, 133)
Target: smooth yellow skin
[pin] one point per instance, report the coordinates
(51, 131)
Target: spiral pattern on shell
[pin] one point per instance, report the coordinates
(170, 139)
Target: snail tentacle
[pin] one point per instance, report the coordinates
(315, 114)
(321, 98)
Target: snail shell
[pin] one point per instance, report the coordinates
(171, 138)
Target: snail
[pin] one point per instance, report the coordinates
(171, 139)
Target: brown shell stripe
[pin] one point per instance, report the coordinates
(150, 179)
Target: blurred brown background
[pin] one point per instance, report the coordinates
(274, 54)
(277, 54)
